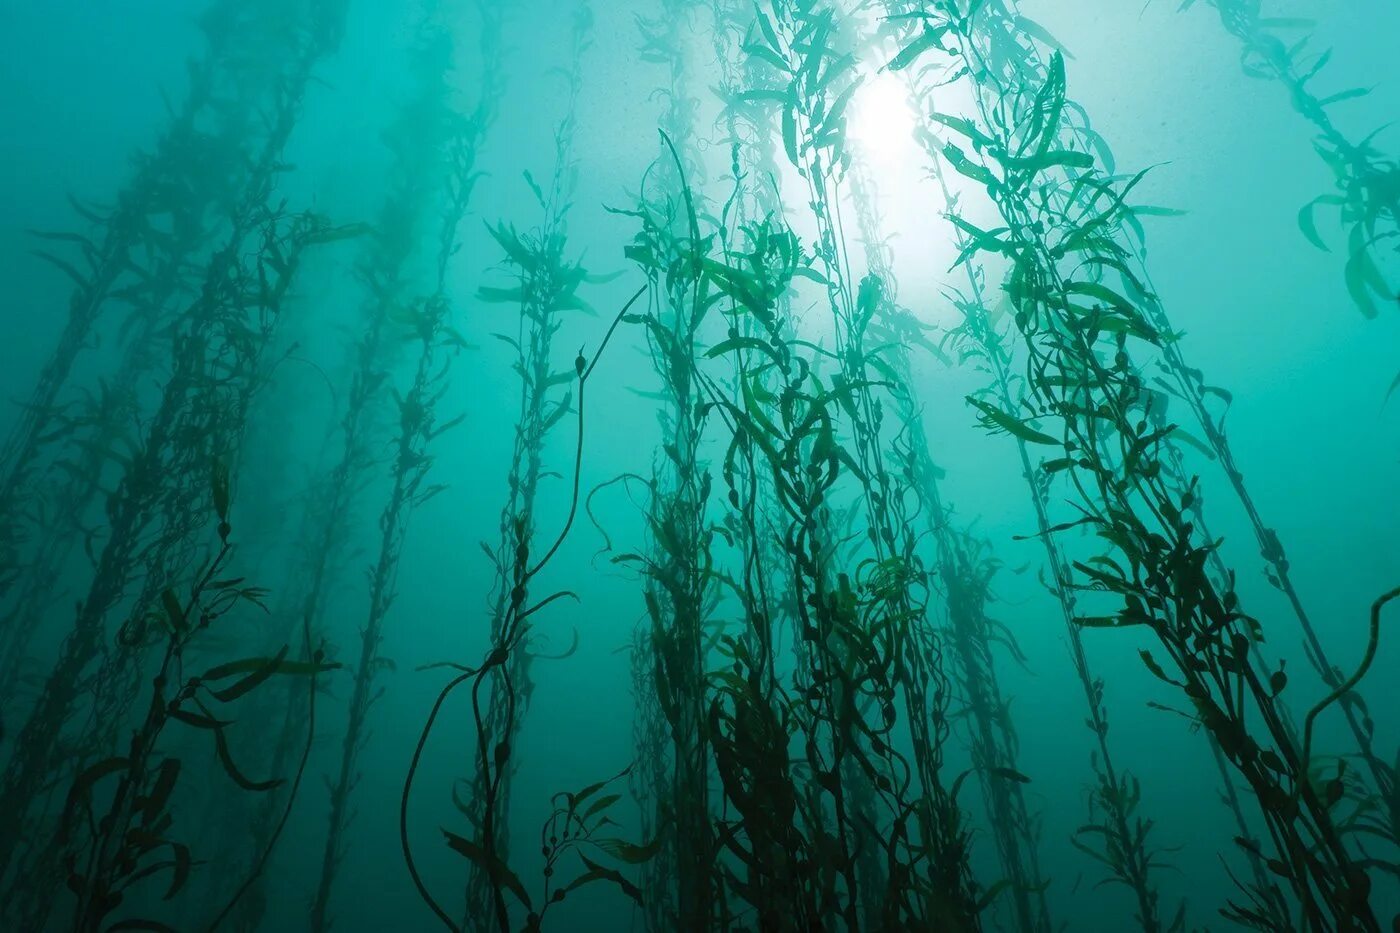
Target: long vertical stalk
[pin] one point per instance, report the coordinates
(209, 346)
(545, 288)
(437, 153)
(1113, 456)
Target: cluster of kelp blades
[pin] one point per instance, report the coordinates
(793, 771)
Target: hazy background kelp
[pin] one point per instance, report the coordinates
(1264, 312)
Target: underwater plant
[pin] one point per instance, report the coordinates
(503, 879)
(1012, 34)
(965, 570)
(113, 848)
(142, 266)
(215, 370)
(436, 149)
(839, 693)
(1117, 835)
(1156, 563)
(679, 587)
(1367, 195)
(546, 287)
(815, 82)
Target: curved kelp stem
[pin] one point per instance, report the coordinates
(544, 287)
(1373, 639)
(500, 655)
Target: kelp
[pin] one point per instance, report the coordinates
(965, 569)
(127, 842)
(141, 264)
(1366, 197)
(812, 84)
(436, 149)
(519, 611)
(1117, 835)
(818, 651)
(545, 287)
(200, 418)
(1178, 379)
(676, 564)
(1080, 377)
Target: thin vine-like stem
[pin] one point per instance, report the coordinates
(584, 368)
(1372, 643)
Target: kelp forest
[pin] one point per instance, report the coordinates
(700, 465)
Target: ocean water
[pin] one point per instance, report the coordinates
(577, 465)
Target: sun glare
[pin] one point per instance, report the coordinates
(882, 123)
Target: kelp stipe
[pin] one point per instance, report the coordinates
(115, 847)
(545, 287)
(1367, 198)
(1118, 835)
(812, 85)
(140, 246)
(153, 511)
(436, 150)
(517, 613)
(1015, 48)
(162, 228)
(1164, 585)
(676, 563)
(238, 292)
(965, 568)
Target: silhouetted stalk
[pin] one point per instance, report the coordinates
(767, 811)
(199, 421)
(436, 151)
(153, 242)
(410, 470)
(125, 839)
(1188, 384)
(680, 592)
(1123, 848)
(213, 351)
(1127, 856)
(1101, 406)
(1367, 180)
(498, 657)
(129, 227)
(813, 85)
(775, 825)
(546, 287)
(966, 574)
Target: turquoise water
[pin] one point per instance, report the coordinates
(404, 436)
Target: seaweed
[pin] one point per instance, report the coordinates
(200, 418)
(1154, 562)
(437, 148)
(1367, 181)
(497, 660)
(113, 849)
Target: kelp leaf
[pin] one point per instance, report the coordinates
(995, 418)
(910, 53)
(629, 852)
(250, 682)
(248, 665)
(239, 778)
(1307, 222)
(495, 869)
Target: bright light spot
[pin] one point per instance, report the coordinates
(881, 124)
